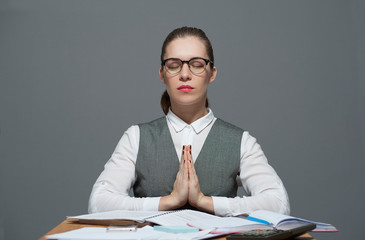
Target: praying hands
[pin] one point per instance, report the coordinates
(186, 187)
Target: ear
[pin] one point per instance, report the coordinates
(162, 77)
(213, 75)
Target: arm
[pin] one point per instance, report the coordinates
(111, 189)
(259, 180)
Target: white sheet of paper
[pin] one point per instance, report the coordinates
(147, 232)
(119, 214)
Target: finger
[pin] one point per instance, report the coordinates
(192, 172)
(182, 160)
(183, 164)
(186, 153)
(190, 157)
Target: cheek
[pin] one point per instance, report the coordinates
(167, 81)
(171, 80)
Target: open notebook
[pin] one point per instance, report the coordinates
(164, 218)
(268, 220)
(282, 221)
(200, 220)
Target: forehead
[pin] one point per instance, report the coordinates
(186, 48)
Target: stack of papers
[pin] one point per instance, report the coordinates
(147, 232)
(181, 224)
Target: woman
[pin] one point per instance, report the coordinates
(213, 153)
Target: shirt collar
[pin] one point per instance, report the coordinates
(198, 125)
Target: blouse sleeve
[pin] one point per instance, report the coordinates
(111, 190)
(259, 180)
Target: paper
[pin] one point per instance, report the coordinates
(182, 217)
(176, 229)
(120, 214)
(100, 233)
(164, 218)
(228, 225)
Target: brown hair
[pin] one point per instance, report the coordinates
(181, 33)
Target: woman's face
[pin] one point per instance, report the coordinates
(186, 88)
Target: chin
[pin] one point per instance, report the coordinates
(187, 99)
(191, 102)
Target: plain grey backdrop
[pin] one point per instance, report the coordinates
(76, 74)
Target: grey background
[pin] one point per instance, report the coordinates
(76, 74)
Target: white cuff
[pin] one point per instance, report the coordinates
(221, 206)
(151, 203)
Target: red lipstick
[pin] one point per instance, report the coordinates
(185, 88)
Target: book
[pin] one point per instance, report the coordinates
(284, 222)
(261, 219)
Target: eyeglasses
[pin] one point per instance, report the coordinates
(196, 65)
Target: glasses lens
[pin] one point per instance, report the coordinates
(173, 66)
(197, 65)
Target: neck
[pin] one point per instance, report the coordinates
(190, 113)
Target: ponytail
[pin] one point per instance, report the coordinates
(166, 103)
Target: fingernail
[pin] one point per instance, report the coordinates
(183, 147)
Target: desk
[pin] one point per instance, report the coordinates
(68, 225)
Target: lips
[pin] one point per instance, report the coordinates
(185, 88)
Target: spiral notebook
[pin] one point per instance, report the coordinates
(141, 218)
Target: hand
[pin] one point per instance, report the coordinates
(186, 187)
(196, 198)
(194, 188)
(181, 187)
(179, 194)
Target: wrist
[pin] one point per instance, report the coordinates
(205, 203)
(170, 202)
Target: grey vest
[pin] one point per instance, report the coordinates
(217, 165)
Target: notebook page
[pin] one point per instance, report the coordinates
(182, 217)
(228, 224)
(138, 216)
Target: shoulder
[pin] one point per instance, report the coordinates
(154, 122)
(226, 125)
(159, 123)
(134, 130)
(130, 137)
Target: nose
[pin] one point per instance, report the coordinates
(185, 74)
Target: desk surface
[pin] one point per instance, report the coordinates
(68, 225)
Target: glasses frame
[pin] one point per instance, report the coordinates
(187, 62)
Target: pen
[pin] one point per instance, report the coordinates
(258, 220)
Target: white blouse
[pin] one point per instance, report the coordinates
(259, 180)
